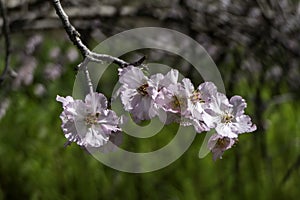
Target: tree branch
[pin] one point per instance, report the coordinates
(5, 30)
(75, 38)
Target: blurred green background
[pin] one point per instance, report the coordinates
(34, 164)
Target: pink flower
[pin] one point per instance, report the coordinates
(219, 144)
(138, 93)
(172, 99)
(88, 123)
(197, 100)
(228, 117)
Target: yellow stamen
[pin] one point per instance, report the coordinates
(143, 89)
(196, 97)
(227, 118)
(92, 119)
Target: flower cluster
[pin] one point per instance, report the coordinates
(203, 107)
(90, 124)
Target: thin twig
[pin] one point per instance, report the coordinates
(5, 30)
(84, 66)
(75, 38)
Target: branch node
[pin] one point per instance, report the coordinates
(74, 36)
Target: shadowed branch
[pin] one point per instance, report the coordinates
(75, 38)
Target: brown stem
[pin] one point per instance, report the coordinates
(75, 38)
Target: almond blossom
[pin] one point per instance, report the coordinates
(94, 127)
(228, 117)
(137, 93)
(88, 123)
(218, 144)
(172, 100)
(197, 100)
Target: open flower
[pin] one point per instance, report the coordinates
(219, 144)
(88, 123)
(228, 117)
(138, 93)
(172, 99)
(197, 100)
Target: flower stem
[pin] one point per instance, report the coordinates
(84, 67)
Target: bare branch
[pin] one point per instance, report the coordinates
(5, 30)
(75, 38)
(83, 66)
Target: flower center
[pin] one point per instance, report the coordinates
(222, 142)
(91, 119)
(177, 102)
(196, 97)
(143, 89)
(227, 118)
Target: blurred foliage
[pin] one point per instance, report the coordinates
(264, 164)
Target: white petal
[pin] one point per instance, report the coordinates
(64, 100)
(134, 78)
(96, 102)
(226, 130)
(189, 88)
(239, 104)
(170, 78)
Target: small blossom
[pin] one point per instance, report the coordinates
(219, 144)
(197, 100)
(88, 123)
(33, 43)
(53, 71)
(25, 73)
(54, 53)
(72, 54)
(172, 99)
(138, 93)
(228, 117)
(39, 90)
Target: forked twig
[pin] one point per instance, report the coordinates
(75, 38)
